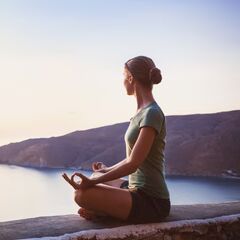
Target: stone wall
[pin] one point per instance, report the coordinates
(219, 228)
(185, 222)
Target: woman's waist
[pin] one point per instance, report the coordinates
(156, 193)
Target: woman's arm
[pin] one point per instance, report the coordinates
(107, 169)
(125, 167)
(129, 165)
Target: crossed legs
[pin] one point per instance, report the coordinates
(106, 199)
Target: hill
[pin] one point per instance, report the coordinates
(196, 144)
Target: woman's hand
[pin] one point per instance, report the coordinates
(99, 167)
(84, 183)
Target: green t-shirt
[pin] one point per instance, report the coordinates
(150, 175)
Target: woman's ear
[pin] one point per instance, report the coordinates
(130, 79)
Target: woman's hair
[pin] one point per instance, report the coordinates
(143, 69)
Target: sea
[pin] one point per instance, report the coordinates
(33, 192)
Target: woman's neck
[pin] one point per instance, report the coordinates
(144, 100)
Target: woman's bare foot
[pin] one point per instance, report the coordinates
(89, 214)
(85, 213)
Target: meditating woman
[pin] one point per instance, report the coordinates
(144, 197)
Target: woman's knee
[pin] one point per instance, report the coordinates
(79, 196)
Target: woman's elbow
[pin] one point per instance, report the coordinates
(132, 167)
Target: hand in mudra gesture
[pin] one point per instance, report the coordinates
(99, 167)
(85, 182)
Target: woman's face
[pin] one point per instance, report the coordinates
(128, 82)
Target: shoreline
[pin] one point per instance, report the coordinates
(223, 176)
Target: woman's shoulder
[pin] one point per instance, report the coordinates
(153, 111)
(152, 116)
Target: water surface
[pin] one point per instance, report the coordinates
(30, 192)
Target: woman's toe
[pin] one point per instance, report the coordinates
(88, 214)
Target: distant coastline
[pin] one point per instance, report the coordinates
(196, 145)
(222, 176)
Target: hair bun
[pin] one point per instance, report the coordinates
(155, 75)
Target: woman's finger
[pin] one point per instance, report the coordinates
(69, 181)
(72, 177)
(67, 178)
(96, 165)
(93, 165)
(99, 164)
(77, 174)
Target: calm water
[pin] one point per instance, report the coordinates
(29, 192)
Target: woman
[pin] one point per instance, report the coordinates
(145, 196)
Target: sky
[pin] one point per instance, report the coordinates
(62, 61)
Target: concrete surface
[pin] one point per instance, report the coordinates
(62, 224)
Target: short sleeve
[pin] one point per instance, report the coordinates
(152, 118)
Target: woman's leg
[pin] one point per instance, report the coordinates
(90, 214)
(112, 201)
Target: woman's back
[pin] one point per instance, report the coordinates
(150, 175)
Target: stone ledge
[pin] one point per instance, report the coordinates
(65, 224)
(225, 227)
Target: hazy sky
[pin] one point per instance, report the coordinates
(62, 61)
